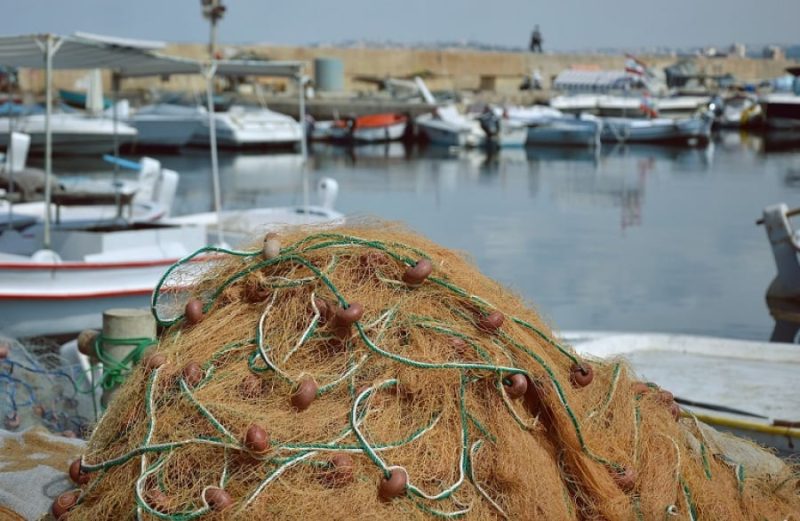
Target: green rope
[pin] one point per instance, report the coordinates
(115, 371)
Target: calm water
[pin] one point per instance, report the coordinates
(631, 239)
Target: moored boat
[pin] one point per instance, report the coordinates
(689, 131)
(372, 128)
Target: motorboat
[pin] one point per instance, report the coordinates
(446, 126)
(576, 103)
(372, 128)
(72, 132)
(243, 126)
(581, 130)
(645, 106)
(739, 386)
(167, 125)
(689, 131)
(740, 111)
(238, 226)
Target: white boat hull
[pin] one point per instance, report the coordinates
(693, 131)
(242, 127)
(71, 133)
(566, 131)
(394, 132)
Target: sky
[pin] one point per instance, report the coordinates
(565, 24)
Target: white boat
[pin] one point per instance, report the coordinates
(72, 132)
(239, 226)
(785, 243)
(167, 124)
(576, 103)
(667, 107)
(741, 111)
(445, 126)
(242, 126)
(745, 387)
(569, 130)
(692, 131)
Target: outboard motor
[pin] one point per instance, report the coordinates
(490, 123)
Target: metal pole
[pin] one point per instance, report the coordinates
(303, 145)
(10, 161)
(115, 80)
(48, 137)
(212, 39)
(212, 138)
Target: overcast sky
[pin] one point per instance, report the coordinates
(566, 24)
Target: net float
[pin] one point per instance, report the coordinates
(75, 474)
(345, 318)
(192, 374)
(64, 503)
(517, 385)
(305, 394)
(665, 397)
(340, 470)
(416, 275)
(491, 322)
(153, 361)
(86, 342)
(256, 439)
(393, 486)
(581, 375)
(625, 478)
(217, 498)
(272, 246)
(194, 311)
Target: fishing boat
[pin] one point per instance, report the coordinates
(243, 126)
(372, 128)
(739, 386)
(740, 111)
(581, 130)
(782, 109)
(641, 106)
(167, 125)
(693, 131)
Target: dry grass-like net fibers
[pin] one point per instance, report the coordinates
(367, 373)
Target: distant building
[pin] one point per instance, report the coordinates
(738, 50)
(774, 52)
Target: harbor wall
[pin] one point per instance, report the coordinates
(464, 70)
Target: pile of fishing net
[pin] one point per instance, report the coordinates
(367, 373)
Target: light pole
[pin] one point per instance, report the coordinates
(213, 10)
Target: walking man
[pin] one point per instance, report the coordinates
(536, 39)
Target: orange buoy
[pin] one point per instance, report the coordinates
(218, 499)
(305, 394)
(75, 474)
(517, 386)
(581, 374)
(256, 439)
(192, 374)
(64, 503)
(415, 275)
(491, 322)
(393, 486)
(194, 311)
(154, 361)
(340, 472)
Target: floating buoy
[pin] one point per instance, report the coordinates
(491, 322)
(345, 318)
(272, 246)
(517, 386)
(625, 478)
(256, 439)
(305, 394)
(581, 374)
(75, 474)
(86, 342)
(64, 503)
(194, 311)
(416, 275)
(192, 373)
(218, 499)
(340, 472)
(393, 486)
(153, 361)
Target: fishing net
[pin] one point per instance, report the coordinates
(367, 373)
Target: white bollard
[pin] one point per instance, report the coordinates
(121, 324)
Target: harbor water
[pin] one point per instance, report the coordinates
(634, 238)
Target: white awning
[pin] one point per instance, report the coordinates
(128, 58)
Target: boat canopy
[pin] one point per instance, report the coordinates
(128, 58)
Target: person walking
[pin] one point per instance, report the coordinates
(536, 39)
